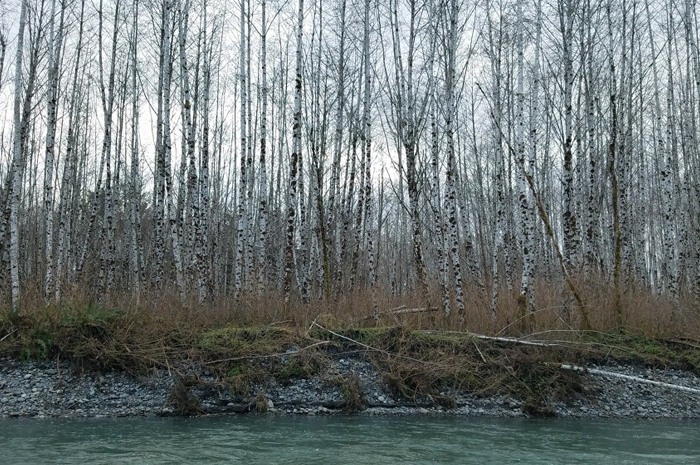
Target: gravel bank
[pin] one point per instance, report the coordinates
(51, 390)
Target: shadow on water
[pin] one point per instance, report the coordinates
(347, 440)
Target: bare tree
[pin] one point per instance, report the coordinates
(289, 266)
(17, 162)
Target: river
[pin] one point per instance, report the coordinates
(346, 440)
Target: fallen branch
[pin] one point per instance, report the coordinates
(610, 374)
(512, 340)
(374, 349)
(8, 334)
(495, 338)
(403, 311)
(347, 338)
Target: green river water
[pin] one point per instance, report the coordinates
(346, 440)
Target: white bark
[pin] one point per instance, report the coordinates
(106, 274)
(135, 259)
(367, 136)
(17, 165)
(241, 233)
(56, 39)
(289, 266)
(526, 298)
(451, 194)
(262, 169)
(571, 240)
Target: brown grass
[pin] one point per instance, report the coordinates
(643, 311)
(420, 355)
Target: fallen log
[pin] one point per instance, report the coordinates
(637, 379)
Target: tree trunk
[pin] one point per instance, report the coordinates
(17, 162)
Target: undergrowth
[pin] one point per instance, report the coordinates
(421, 355)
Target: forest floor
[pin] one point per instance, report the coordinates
(92, 362)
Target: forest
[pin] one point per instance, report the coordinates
(483, 164)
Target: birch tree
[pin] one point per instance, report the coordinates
(526, 301)
(450, 185)
(289, 265)
(56, 38)
(17, 156)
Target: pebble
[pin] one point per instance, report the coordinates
(40, 390)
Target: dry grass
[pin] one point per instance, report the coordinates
(422, 355)
(155, 328)
(643, 311)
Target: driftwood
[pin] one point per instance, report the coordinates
(610, 374)
(593, 371)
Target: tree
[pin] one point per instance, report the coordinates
(289, 266)
(17, 156)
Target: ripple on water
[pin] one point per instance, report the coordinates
(347, 440)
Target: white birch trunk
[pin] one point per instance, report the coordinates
(68, 178)
(262, 169)
(16, 166)
(159, 187)
(612, 171)
(241, 233)
(525, 299)
(495, 47)
(289, 266)
(203, 256)
(135, 262)
(52, 104)
(367, 136)
(167, 156)
(670, 262)
(451, 193)
(571, 245)
(334, 205)
(107, 251)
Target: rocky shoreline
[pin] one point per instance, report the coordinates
(39, 390)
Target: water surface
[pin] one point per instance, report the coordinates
(346, 440)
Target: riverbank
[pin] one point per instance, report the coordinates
(43, 389)
(92, 362)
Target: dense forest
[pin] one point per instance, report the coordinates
(485, 159)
